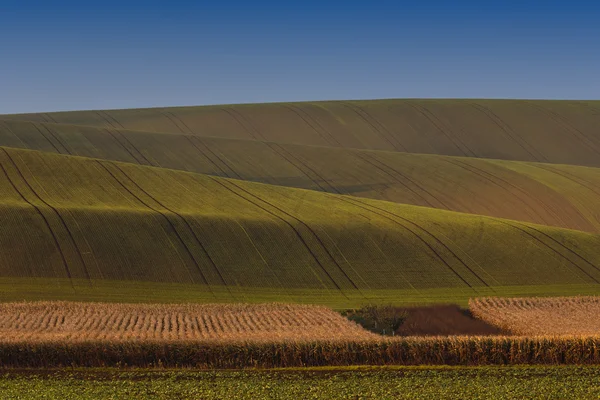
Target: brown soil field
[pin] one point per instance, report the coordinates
(84, 322)
(443, 320)
(541, 316)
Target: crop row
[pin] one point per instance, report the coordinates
(81, 322)
(214, 354)
(541, 316)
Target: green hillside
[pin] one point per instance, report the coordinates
(554, 195)
(340, 203)
(90, 220)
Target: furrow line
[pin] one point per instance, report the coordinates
(551, 248)
(355, 109)
(236, 116)
(309, 229)
(102, 117)
(113, 119)
(568, 126)
(45, 137)
(372, 160)
(173, 121)
(167, 219)
(298, 234)
(570, 177)
(64, 224)
(51, 118)
(273, 147)
(55, 239)
(135, 148)
(178, 118)
(310, 125)
(492, 178)
(122, 145)
(317, 123)
(370, 207)
(508, 131)
(208, 149)
(57, 139)
(436, 123)
(379, 126)
(563, 246)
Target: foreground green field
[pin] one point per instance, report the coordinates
(370, 383)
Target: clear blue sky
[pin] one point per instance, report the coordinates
(116, 54)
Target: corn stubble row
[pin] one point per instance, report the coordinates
(54, 334)
(541, 316)
(84, 322)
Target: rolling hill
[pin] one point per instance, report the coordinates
(302, 202)
(564, 132)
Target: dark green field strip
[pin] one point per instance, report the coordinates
(561, 196)
(544, 131)
(35, 289)
(389, 383)
(94, 219)
(422, 383)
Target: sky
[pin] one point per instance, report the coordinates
(67, 55)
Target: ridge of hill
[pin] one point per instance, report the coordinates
(564, 132)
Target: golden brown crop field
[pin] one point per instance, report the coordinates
(58, 334)
(84, 322)
(541, 316)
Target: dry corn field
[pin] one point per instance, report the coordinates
(541, 316)
(77, 322)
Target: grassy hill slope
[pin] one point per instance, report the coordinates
(563, 132)
(549, 194)
(80, 220)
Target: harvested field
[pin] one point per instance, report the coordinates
(237, 336)
(84, 322)
(541, 316)
(443, 320)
